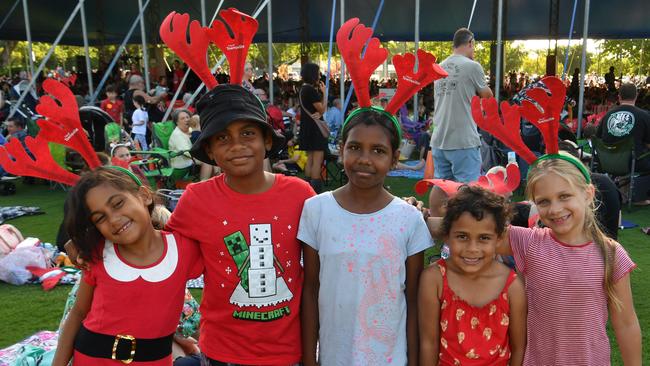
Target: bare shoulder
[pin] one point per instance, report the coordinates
(432, 274)
(517, 286)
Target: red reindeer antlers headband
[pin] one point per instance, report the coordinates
(351, 39)
(62, 126)
(542, 108)
(173, 31)
(498, 182)
(544, 114)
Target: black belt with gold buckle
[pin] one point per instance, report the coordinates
(122, 347)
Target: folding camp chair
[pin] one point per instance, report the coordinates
(618, 160)
(157, 165)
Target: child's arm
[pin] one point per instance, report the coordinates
(626, 324)
(309, 311)
(414, 264)
(72, 324)
(503, 246)
(517, 327)
(434, 224)
(429, 315)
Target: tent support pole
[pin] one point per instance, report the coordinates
(11, 11)
(203, 13)
(342, 68)
(32, 81)
(145, 54)
(269, 44)
(497, 80)
(417, 46)
(329, 52)
(583, 69)
(84, 30)
(118, 53)
(28, 31)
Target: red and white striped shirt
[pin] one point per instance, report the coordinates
(567, 301)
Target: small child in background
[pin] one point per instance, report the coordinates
(472, 309)
(113, 106)
(363, 255)
(140, 120)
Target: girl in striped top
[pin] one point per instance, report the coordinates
(575, 277)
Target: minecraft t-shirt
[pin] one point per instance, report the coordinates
(253, 278)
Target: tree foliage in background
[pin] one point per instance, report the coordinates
(629, 57)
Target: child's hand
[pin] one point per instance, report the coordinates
(188, 345)
(418, 204)
(73, 254)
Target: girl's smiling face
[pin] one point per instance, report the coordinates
(472, 243)
(120, 216)
(562, 207)
(367, 155)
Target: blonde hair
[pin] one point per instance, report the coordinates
(575, 178)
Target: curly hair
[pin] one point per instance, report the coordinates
(80, 228)
(479, 203)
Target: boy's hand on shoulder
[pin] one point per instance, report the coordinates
(417, 204)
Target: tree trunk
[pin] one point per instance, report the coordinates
(8, 47)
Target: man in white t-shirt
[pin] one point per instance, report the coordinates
(455, 144)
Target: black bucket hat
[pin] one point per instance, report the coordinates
(223, 105)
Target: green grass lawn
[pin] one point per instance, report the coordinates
(27, 309)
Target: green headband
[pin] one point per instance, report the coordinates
(569, 158)
(381, 110)
(127, 172)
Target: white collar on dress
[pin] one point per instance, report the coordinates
(120, 271)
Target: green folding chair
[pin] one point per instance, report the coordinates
(617, 160)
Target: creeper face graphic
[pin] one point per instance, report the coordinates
(238, 249)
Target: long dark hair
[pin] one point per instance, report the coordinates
(80, 228)
(310, 73)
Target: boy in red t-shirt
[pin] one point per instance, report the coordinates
(113, 106)
(245, 221)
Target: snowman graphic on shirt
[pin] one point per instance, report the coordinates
(256, 263)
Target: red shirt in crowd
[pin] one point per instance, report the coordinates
(113, 108)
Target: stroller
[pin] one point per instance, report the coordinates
(94, 119)
(170, 197)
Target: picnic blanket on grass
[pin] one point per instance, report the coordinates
(35, 350)
(406, 173)
(11, 212)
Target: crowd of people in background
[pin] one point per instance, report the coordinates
(126, 99)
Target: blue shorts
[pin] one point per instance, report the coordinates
(460, 165)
